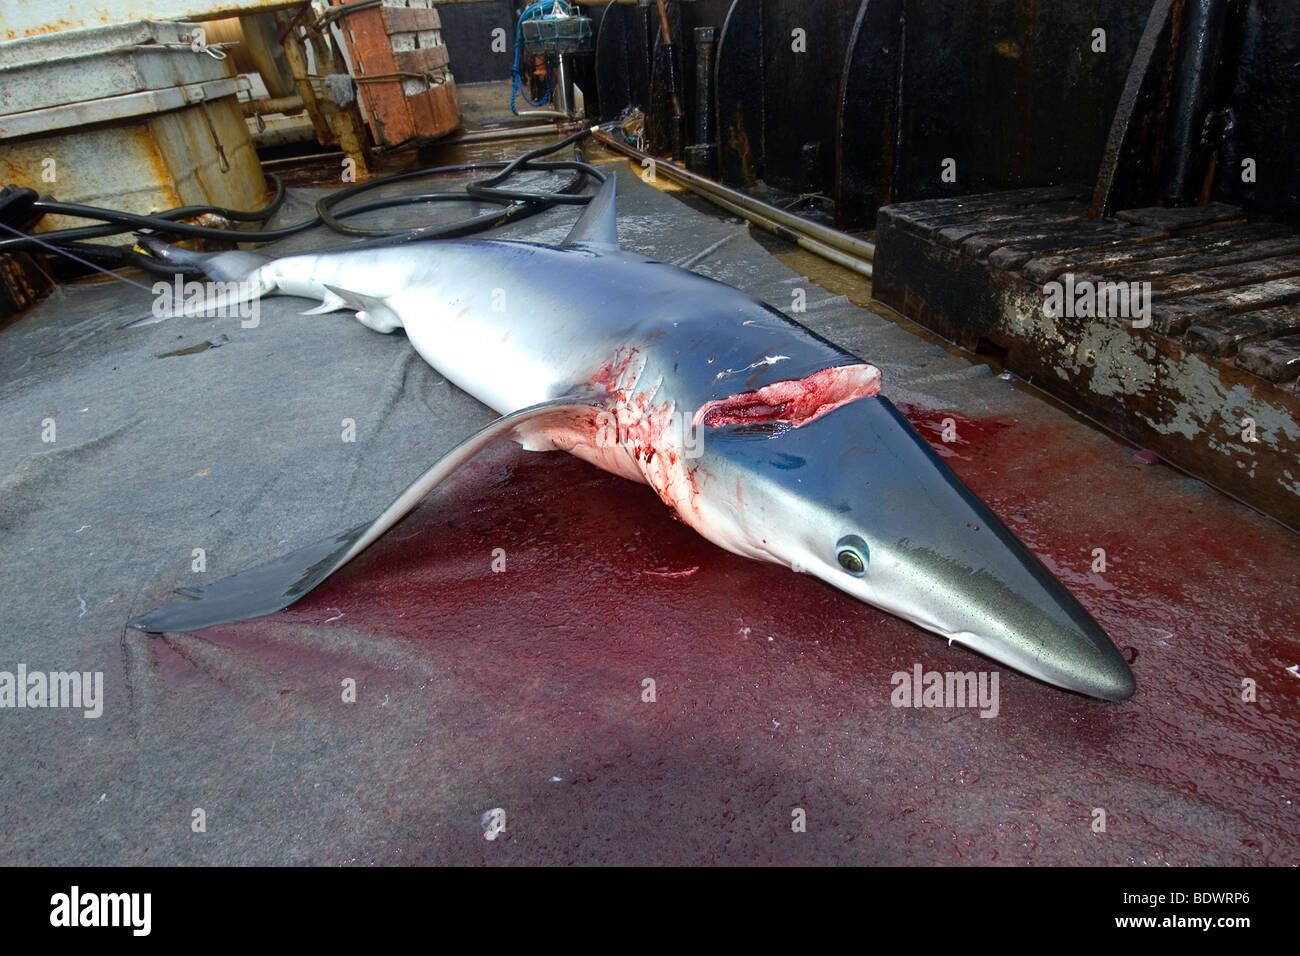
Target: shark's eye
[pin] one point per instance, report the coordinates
(852, 553)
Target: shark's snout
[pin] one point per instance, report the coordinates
(950, 564)
(1025, 618)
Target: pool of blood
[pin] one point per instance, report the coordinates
(772, 691)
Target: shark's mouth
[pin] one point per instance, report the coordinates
(796, 401)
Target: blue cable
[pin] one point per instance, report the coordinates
(538, 10)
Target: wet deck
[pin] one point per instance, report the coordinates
(523, 690)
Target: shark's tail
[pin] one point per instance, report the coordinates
(221, 266)
(238, 277)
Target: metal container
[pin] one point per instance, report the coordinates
(134, 116)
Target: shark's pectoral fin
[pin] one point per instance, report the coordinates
(276, 584)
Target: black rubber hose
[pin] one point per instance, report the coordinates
(518, 204)
(116, 224)
(485, 189)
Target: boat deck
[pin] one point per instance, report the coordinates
(523, 690)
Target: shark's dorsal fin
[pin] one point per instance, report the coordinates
(596, 226)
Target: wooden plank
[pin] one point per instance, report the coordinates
(425, 60)
(1142, 249)
(1067, 238)
(993, 216)
(1226, 293)
(409, 19)
(436, 111)
(1227, 276)
(1176, 219)
(1210, 260)
(957, 233)
(1277, 360)
(1224, 335)
(985, 202)
(1175, 315)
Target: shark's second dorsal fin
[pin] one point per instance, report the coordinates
(596, 225)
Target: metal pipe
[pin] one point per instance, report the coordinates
(677, 122)
(275, 104)
(1196, 69)
(492, 135)
(562, 85)
(704, 86)
(311, 158)
(860, 266)
(714, 191)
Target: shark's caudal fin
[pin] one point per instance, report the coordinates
(596, 226)
(276, 584)
(237, 278)
(222, 266)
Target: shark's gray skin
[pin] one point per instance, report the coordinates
(767, 439)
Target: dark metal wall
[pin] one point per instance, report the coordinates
(1010, 91)
(631, 63)
(867, 100)
(779, 70)
(1265, 112)
(467, 30)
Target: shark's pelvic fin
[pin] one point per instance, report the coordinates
(276, 584)
(372, 312)
(331, 302)
(596, 226)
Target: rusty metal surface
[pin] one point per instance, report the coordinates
(1210, 385)
(46, 72)
(887, 93)
(1134, 146)
(19, 20)
(129, 116)
(1209, 104)
(401, 68)
(779, 68)
(201, 155)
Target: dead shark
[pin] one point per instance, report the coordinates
(768, 440)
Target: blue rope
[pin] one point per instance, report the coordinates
(535, 11)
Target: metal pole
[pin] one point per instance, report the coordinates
(716, 192)
(562, 85)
